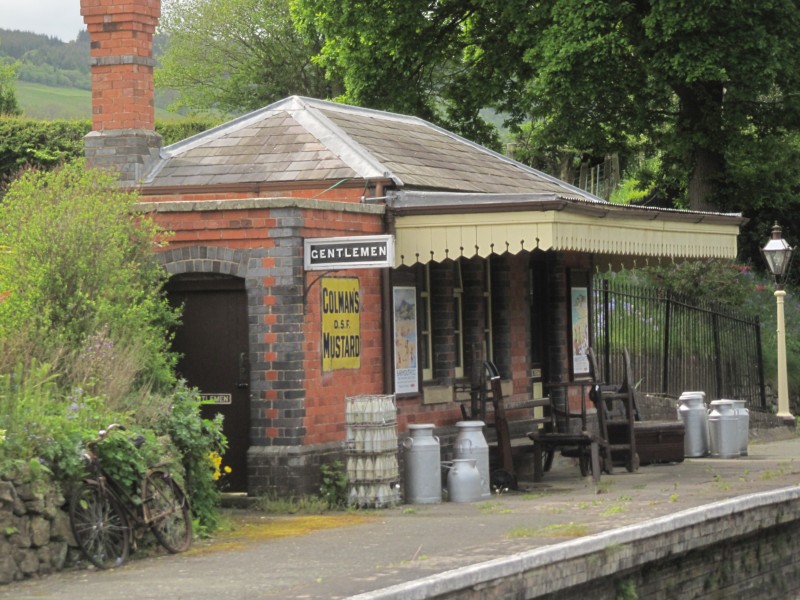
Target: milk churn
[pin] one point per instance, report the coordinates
(464, 481)
(723, 429)
(423, 477)
(470, 443)
(692, 411)
(743, 419)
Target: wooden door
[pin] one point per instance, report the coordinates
(213, 340)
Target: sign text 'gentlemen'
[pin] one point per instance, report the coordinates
(358, 252)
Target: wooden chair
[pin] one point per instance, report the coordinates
(557, 435)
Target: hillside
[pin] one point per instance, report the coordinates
(53, 76)
(48, 102)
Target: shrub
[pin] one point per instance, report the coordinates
(79, 267)
(197, 440)
(84, 339)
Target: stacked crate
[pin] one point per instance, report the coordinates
(372, 471)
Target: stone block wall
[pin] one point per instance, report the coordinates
(34, 533)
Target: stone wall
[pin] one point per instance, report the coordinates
(35, 534)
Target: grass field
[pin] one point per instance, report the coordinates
(48, 103)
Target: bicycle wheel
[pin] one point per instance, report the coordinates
(99, 526)
(166, 509)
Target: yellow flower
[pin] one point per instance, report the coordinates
(216, 463)
(2, 435)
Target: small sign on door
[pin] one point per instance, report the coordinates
(217, 398)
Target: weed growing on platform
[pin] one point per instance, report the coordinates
(556, 530)
(305, 505)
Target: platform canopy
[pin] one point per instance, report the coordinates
(432, 226)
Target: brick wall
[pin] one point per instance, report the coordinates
(297, 411)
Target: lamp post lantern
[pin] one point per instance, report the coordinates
(778, 256)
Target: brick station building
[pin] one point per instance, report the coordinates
(490, 258)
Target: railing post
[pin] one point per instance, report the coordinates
(606, 332)
(717, 351)
(665, 361)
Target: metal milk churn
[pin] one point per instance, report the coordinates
(723, 429)
(470, 443)
(423, 476)
(464, 481)
(743, 418)
(692, 411)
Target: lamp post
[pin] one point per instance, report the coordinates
(778, 255)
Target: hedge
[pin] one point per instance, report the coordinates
(44, 144)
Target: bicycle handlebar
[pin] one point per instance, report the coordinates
(103, 433)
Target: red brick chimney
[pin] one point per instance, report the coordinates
(123, 134)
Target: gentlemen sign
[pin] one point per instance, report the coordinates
(341, 323)
(359, 252)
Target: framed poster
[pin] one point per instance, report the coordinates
(406, 377)
(341, 323)
(580, 330)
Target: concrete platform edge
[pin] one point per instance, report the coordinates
(634, 545)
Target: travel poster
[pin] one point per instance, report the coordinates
(580, 330)
(406, 378)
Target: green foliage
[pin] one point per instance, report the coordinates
(123, 461)
(84, 339)
(737, 287)
(40, 49)
(236, 55)
(714, 281)
(178, 130)
(196, 439)
(414, 57)
(8, 98)
(46, 74)
(81, 264)
(334, 485)
(27, 143)
(47, 144)
(282, 505)
(592, 76)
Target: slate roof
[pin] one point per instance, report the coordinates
(301, 139)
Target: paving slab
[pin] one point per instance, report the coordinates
(346, 554)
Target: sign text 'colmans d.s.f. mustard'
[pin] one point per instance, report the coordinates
(341, 323)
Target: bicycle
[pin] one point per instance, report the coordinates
(104, 515)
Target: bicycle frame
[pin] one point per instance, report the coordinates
(130, 504)
(126, 500)
(105, 515)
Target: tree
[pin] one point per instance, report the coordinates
(236, 55)
(695, 79)
(9, 107)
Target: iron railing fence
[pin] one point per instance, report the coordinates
(676, 346)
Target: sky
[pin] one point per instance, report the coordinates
(59, 18)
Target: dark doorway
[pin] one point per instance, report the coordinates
(213, 343)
